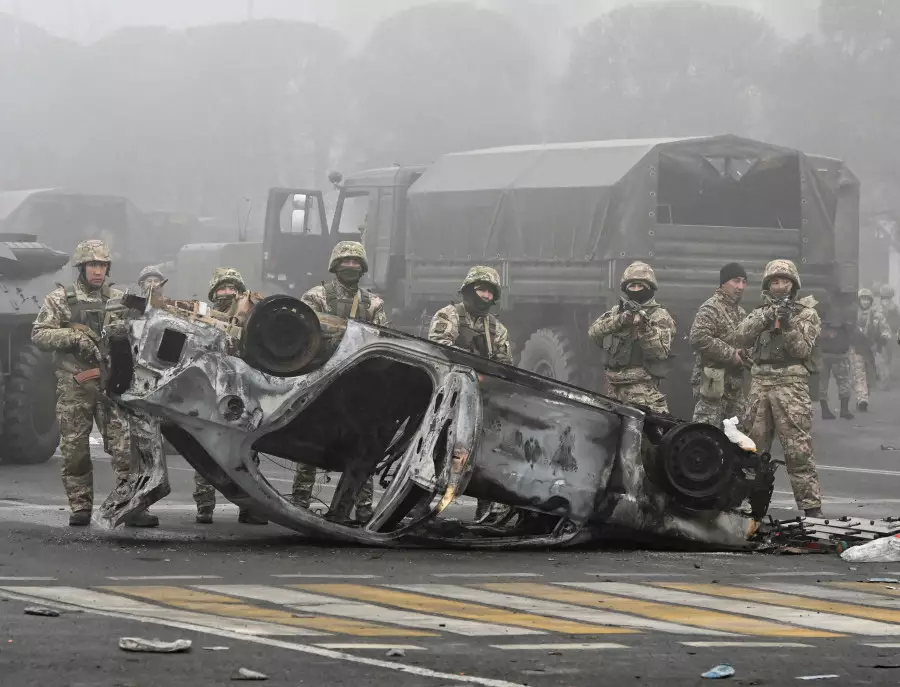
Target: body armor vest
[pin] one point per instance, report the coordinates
(91, 314)
(342, 306)
(623, 350)
(472, 340)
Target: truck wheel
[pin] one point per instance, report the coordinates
(30, 429)
(550, 353)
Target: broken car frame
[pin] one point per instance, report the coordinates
(430, 422)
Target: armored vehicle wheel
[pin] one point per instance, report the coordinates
(550, 353)
(30, 430)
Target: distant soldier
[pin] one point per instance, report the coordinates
(69, 324)
(872, 332)
(718, 377)
(225, 287)
(892, 315)
(834, 344)
(637, 336)
(781, 335)
(343, 297)
(470, 326)
(150, 278)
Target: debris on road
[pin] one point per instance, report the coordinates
(247, 674)
(40, 610)
(214, 648)
(842, 535)
(720, 671)
(396, 652)
(883, 550)
(883, 580)
(154, 646)
(817, 677)
(889, 448)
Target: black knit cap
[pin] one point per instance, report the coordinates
(732, 270)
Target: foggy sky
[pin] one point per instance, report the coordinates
(88, 20)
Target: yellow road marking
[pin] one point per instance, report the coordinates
(779, 599)
(218, 604)
(458, 609)
(684, 615)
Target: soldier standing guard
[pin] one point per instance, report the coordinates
(343, 297)
(872, 332)
(225, 286)
(718, 377)
(834, 343)
(69, 324)
(470, 326)
(781, 335)
(637, 336)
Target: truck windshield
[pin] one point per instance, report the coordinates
(354, 212)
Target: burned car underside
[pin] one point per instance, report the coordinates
(431, 423)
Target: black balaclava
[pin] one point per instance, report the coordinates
(349, 276)
(642, 296)
(474, 303)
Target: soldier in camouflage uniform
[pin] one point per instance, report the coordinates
(872, 332)
(69, 324)
(781, 335)
(834, 343)
(718, 377)
(892, 316)
(150, 278)
(463, 325)
(225, 287)
(637, 336)
(343, 297)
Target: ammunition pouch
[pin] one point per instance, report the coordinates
(472, 340)
(624, 351)
(712, 383)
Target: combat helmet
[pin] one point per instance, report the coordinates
(482, 274)
(887, 291)
(781, 268)
(225, 275)
(348, 249)
(640, 271)
(92, 250)
(865, 293)
(150, 271)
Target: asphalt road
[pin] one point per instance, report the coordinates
(312, 614)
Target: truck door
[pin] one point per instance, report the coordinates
(296, 244)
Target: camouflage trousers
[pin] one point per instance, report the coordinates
(205, 493)
(783, 407)
(78, 407)
(713, 411)
(640, 393)
(839, 366)
(861, 373)
(305, 478)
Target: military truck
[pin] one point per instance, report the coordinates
(560, 223)
(28, 271)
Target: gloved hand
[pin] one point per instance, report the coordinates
(85, 348)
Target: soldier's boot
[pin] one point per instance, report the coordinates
(248, 517)
(204, 516)
(863, 406)
(845, 409)
(826, 411)
(80, 518)
(143, 518)
(813, 512)
(300, 497)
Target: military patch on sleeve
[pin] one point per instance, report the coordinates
(440, 327)
(43, 315)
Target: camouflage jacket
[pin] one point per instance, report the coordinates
(713, 336)
(317, 299)
(447, 322)
(799, 339)
(892, 315)
(51, 331)
(873, 325)
(654, 336)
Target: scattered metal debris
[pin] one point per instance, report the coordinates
(215, 648)
(396, 652)
(154, 646)
(40, 610)
(822, 535)
(817, 677)
(718, 672)
(247, 674)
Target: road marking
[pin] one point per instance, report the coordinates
(690, 620)
(865, 471)
(456, 609)
(281, 644)
(829, 615)
(543, 600)
(793, 574)
(315, 603)
(510, 574)
(558, 647)
(832, 593)
(381, 647)
(218, 604)
(637, 574)
(138, 578)
(883, 645)
(85, 599)
(749, 645)
(868, 587)
(818, 622)
(27, 579)
(328, 575)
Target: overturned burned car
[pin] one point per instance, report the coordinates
(431, 423)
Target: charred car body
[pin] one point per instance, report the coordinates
(432, 423)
